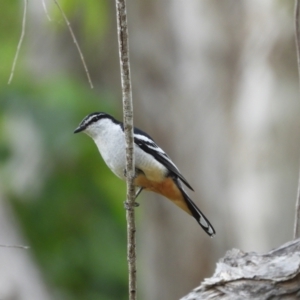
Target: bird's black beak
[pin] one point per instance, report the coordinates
(79, 129)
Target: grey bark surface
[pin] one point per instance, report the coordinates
(249, 275)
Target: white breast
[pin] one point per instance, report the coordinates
(110, 140)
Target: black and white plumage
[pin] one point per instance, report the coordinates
(155, 170)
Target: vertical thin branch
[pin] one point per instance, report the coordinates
(76, 43)
(128, 129)
(297, 37)
(19, 44)
(46, 10)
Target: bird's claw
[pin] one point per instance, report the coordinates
(136, 173)
(127, 206)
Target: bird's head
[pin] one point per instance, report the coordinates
(93, 124)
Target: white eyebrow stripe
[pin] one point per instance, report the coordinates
(87, 121)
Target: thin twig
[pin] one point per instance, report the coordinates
(128, 129)
(15, 246)
(76, 43)
(46, 10)
(297, 37)
(19, 44)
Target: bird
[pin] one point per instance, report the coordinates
(154, 169)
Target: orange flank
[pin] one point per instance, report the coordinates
(167, 188)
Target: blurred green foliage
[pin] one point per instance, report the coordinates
(91, 15)
(74, 219)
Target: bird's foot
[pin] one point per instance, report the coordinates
(136, 173)
(127, 206)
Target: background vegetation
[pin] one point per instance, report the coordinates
(68, 204)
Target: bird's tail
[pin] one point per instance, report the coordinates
(197, 214)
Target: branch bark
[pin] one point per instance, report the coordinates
(128, 129)
(19, 44)
(297, 38)
(240, 275)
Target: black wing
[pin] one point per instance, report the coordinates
(147, 144)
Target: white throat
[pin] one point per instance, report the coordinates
(110, 140)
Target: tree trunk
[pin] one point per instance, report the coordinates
(240, 275)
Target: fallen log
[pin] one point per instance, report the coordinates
(240, 275)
